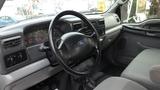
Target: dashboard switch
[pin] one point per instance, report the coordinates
(15, 58)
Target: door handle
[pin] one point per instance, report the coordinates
(153, 34)
(144, 46)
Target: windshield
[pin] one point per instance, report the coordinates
(17, 10)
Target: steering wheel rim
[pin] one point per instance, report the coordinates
(53, 44)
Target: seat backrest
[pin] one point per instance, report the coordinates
(155, 74)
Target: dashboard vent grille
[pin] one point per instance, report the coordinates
(94, 23)
(11, 42)
(88, 32)
(77, 26)
(101, 22)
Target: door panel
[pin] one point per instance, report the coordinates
(132, 41)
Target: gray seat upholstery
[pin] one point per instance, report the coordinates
(118, 83)
(155, 74)
(139, 69)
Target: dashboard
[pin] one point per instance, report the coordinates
(21, 60)
(38, 34)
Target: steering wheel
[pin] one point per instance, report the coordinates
(73, 46)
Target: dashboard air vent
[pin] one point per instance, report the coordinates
(11, 42)
(87, 32)
(101, 22)
(94, 23)
(77, 26)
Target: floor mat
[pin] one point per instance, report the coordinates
(113, 70)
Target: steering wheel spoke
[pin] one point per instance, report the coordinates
(59, 44)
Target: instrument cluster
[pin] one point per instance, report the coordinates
(37, 34)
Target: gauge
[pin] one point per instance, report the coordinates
(36, 34)
(63, 27)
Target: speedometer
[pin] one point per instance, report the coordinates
(63, 27)
(36, 34)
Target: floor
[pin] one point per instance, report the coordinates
(99, 76)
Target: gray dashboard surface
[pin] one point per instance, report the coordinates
(25, 76)
(7, 81)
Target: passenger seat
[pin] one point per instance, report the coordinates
(144, 69)
(119, 83)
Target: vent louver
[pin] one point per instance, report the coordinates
(77, 26)
(11, 42)
(101, 22)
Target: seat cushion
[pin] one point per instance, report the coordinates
(139, 69)
(118, 83)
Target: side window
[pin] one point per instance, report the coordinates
(154, 10)
(127, 11)
(140, 10)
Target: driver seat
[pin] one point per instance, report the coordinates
(119, 83)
